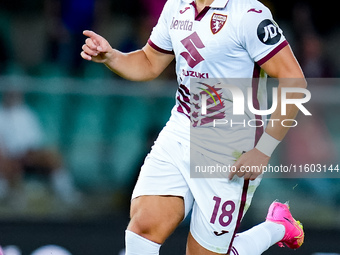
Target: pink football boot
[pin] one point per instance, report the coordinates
(294, 235)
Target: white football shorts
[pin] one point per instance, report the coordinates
(217, 204)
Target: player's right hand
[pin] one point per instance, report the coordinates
(96, 48)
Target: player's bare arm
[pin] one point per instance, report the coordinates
(282, 66)
(141, 65)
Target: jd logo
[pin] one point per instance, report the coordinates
(268, 32)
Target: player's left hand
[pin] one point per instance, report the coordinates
(249, 165)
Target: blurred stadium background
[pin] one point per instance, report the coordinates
(97, 128)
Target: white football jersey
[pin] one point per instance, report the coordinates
(228, 39)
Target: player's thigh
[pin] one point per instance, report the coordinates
(161, 197)
(156, 217)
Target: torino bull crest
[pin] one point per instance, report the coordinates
(217, 22)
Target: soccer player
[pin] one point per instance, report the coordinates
(208, 39)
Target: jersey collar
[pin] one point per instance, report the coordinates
(216, 4)
(219, 4)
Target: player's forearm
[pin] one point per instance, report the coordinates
(134, 66)
(275, 127)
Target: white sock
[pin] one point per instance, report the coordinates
(138, 245)
(258, 239)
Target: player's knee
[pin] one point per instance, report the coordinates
(153, 225)
(147, 226)
(155, 218)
